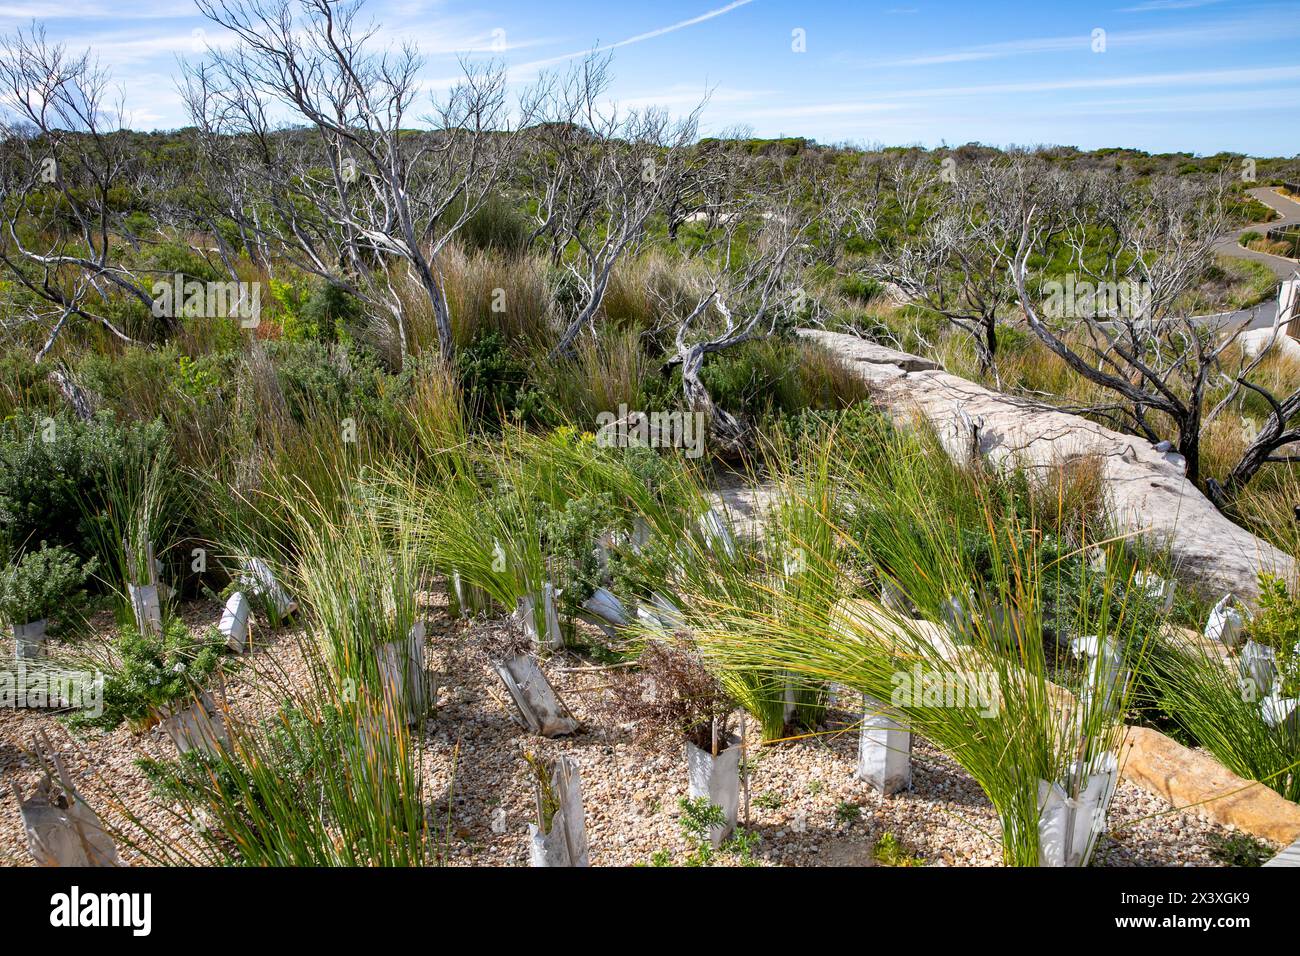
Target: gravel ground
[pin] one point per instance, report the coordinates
(806, 807)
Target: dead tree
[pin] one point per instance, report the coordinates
(64, 166)
(843, 203)
(740, 301)
(957, 265)
(603, 175)
(355, 196)
(1134, 251)
(1280, 430)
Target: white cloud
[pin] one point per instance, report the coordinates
(1245, 29)
(1191, 78)
(649, 35)
(93, 10)
(686, 96)
(1153, 6)
(894, 101)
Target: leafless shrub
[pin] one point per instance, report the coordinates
(670, 695)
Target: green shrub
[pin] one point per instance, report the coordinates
(861, 289)
(302, 751)
(496, 226)
(1239, 849)
(143, 384)
(46, 583)
(51, 467)
(889, 852)
(327, 311)
(24, 384)
(170, 258)
(154, 672)
(490, 376)
(755, 379)
(1276, 624)
(316, 378)
(569, 539)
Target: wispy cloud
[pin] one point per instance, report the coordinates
(1153, 6)
(1218, 32)
(83, 10)
(687, 97)
(888, 102)
(1227, 101)
(648, 35)
(1190, 78)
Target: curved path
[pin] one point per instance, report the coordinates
(1261, 316)
(1288, 209)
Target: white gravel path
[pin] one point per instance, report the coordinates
(806, 806)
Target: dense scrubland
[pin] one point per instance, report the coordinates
(379, 352)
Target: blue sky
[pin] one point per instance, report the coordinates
(1193, 75)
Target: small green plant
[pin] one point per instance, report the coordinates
(847, 813)
(1239, 849)
(814, 786)
(768, 800)
(1276, 624)
(55, 474)
(569, 536)
(742, 844)
(889, 852)
(153, 672)
(699, 817)
(548, 803)
(490, 376)
(46, 583)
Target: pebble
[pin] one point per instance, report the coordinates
(631, 792)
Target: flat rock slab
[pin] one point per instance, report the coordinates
(746, 505)
(1148, 494)
(1188, 779)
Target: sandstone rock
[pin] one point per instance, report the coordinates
(1186, 778)
(1148, 494)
